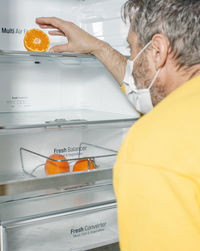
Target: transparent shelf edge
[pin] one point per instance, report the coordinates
(66, 124)
(62, 181)
(40, 56)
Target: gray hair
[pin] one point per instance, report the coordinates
(178, 20)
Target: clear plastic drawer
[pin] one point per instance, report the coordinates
(77, 230)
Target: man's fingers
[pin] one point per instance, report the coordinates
(56, 33)
(45, 26)
(50, 22)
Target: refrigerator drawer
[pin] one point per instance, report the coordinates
(76, 230)
(28, 154)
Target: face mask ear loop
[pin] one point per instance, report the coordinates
(146, 46)
(153, 80)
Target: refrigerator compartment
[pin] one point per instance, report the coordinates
(75, 230)
(96, 17)
(100, 157)
(50, 86)
(65, 140)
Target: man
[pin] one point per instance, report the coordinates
(157, 173)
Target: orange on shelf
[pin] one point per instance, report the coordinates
(55, 166)
(84, 165)
(36, 40)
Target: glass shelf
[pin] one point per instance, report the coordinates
(37, 57)
(17, 120)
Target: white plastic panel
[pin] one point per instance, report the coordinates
(103, 20)
(26, 86)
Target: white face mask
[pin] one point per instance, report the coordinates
(140, 98)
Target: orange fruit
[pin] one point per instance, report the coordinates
(56, 166)
(36, 40)
(83, 165)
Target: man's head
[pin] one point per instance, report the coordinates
(173, 26)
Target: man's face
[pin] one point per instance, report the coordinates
(144, 69)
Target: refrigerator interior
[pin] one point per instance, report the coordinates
(65, 104)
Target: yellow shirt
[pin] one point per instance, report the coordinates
(157, 176)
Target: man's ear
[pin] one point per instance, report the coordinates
(160, 48)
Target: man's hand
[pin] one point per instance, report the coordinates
(79, 41)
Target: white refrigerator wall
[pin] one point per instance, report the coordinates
(27, 86)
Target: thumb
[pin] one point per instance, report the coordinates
(60, 48)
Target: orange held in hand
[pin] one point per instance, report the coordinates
(36, 40)
(55, 166)
(83, 165)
